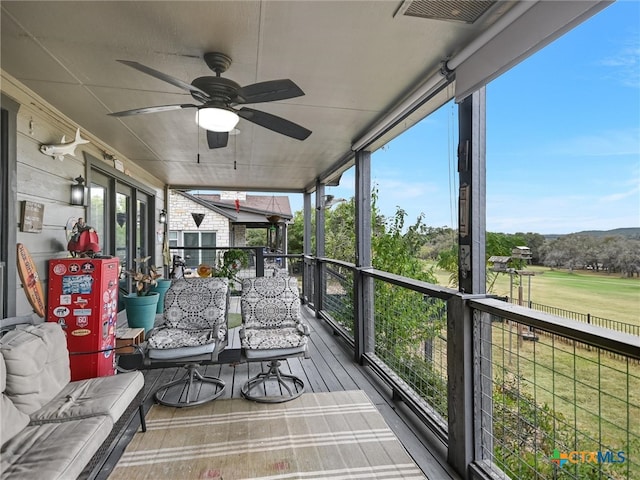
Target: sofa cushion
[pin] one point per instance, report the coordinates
(12, 420)
(53, 450)
(94, 396)
(37, 362)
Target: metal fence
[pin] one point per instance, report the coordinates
(410, 337)
(588, 318)
(337, 298)
(551, 409)
(511, 391)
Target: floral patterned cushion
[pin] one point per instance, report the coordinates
(270, 302)
(195, 313)
(167, 337)
(273, 338)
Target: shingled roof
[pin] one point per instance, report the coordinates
(250, 209)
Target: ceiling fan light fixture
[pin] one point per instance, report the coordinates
(217, 119)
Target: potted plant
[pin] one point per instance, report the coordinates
(228, 266)
(141, 305)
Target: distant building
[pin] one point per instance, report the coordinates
(499, 263)
(521, 253)
(226, 218)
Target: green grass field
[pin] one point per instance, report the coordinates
(599, 294)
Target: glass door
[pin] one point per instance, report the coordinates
(122, 212)
(142, 226)
(99, 209)
(123, 227)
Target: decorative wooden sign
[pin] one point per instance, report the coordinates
(31, 217)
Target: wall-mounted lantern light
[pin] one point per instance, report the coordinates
(78, 192)
(162, 218)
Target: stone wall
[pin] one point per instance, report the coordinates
(180, 219)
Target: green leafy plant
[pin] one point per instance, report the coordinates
(231, 263)
(145, 276)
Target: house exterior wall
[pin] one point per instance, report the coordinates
(45, 180)
(181, 220)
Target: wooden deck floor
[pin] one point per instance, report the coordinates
(329, 368)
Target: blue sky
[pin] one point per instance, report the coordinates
(563, 140)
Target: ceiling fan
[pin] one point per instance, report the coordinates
(219, 95)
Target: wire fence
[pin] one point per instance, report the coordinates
(410, 337)
(337, 297)
(557, 410)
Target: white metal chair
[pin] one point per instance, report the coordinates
(272, 331)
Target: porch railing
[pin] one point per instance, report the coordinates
(504, 400)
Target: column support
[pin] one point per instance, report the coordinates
(472, 193)
(363, 285)
(320, 251)
(306, 248)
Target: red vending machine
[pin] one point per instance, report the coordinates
(83, 299)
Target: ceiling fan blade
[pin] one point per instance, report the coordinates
(164, 77)
(274, 123)
(217, 139)
(160, 108)
(269, 91)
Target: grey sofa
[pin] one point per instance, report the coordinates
(52, 428)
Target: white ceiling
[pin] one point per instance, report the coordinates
(353, 59)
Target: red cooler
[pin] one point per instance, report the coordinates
(83, 299)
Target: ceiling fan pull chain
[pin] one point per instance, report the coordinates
(198, 148)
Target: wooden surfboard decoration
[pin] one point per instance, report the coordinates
(30, 280)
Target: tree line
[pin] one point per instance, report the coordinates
(615, 254)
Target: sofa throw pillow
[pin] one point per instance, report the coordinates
(37, 365)
(12, 420)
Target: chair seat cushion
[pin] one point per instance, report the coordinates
(187, 354)
(169, 337)
(272, 338)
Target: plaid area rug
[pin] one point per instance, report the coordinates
(337, 435)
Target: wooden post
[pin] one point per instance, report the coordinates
(363, 285)
(460, 385)
(306, 248)
(320, 252)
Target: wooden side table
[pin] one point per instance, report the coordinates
(128, 336)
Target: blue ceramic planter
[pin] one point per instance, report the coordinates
(141, 310)
(161, 287)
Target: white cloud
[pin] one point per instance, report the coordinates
(624, 66)
(600, 144)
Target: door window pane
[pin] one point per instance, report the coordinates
(98, 212)
(173, 238)
(208, 239)
(141, 230)
(191, 257)
(122, 214)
